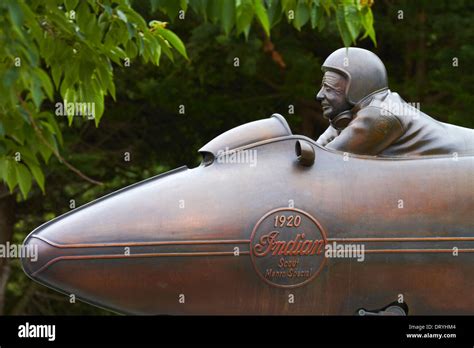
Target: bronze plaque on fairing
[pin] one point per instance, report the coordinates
(287, 247)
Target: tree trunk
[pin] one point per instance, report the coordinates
(7, 220)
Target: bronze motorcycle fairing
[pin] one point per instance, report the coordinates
(211, 240)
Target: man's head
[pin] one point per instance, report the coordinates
(332, 94)
(350, 75)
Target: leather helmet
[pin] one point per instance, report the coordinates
(365, 72)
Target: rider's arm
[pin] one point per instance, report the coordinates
(329, 134)
(370, 132)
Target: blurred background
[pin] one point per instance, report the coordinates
(427, 47)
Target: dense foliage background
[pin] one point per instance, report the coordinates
(427, 46)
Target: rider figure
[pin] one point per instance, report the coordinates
(367, 118)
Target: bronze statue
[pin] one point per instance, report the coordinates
(367, 118)
(275, 223)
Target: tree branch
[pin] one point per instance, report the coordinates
(54, 150)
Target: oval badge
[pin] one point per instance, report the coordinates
(287, 247)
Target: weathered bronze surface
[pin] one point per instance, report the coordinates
(367, 118)
(245, 233)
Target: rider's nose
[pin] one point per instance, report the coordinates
(320, 95)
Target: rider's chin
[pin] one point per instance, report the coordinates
(327, 111)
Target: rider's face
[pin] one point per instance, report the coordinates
(332, 94)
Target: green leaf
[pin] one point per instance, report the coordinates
(274, 12)
(60, 21)
(262, 16)
(56, 71)
(122, 16)
(69, 97)
(108, 9)
(301, 15)
(71, 76)
(174, 40)
(16, 13)
(9, 77)
(288, 5)
(46, 81)
(99, 106)
(45, 151)
(24, 179)
(49, 127)
(133, 17)
(342, 26)
(321, 19)
(52, 121)
(51, 139)
(111, 89)
(367, 20)
(71, 4)
(27, 155)
(37, 174)
(214, 10)
(36, 92)
(184, 5)
(245, 13)
(228, 15)
(165, 47)
(352, 20)
(3, 165)
(314, 16)
(131, 49)
(10, 174)
(105, 75)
